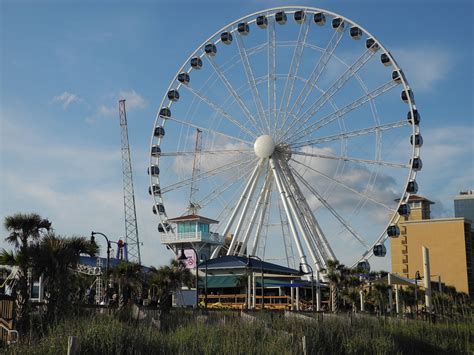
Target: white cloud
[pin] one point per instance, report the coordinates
(110, 109)
(424, 66)
(133, 100)
(66, 99)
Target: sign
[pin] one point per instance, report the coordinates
(190, 262)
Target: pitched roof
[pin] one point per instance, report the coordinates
(242, 262)
(192, 217)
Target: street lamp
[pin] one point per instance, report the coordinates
(417, 277)
(312, 281)
(205, 282)
(183, 257)
(249, 257)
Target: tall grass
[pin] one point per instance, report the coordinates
(271, 333)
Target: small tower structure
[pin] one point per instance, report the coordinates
(192, 231)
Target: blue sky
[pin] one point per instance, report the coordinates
(65, 64)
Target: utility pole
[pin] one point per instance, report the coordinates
(193, 205)
(131, 228)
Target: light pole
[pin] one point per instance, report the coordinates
(312, 282)
(249, 257)
(183, 257)
(417, 277)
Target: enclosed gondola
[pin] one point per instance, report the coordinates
(412, 187)
(404, 210)
(363, 266)
(280, 17)
(385, 59)
(379, 250)
(262, 21)
(338, 24)
(393, 231)
(154, 170)
(355, 32)
(319, 19)
(418, 140)
(416, 164)
(243, 28)
(154, 190)
(159, 132)
(210, 49)
(165, 112)
(404, 95)
(155, 150)
(173, 95)
(196, 63)
(299, 16)
(183, 78)
(158, 208)
(226, 37)
(414, 118)
(371, 45)
(396, 76)
(164, 227)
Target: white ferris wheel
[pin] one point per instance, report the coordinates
(297, 131)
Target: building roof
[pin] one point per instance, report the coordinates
(92, 261)
(192, 217)
(242, 262)
(417, 198)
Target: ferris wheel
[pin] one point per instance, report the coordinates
(296, 131)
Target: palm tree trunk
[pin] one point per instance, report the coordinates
(334, 299)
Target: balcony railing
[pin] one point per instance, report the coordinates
(209, 237)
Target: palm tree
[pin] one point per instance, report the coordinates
(55, 257)
(334, 274)
(130, 279)
(169, 278)
(23, 229)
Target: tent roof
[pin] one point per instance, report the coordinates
(242, 262)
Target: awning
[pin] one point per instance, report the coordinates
(231, 281)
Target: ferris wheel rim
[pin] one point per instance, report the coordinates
(292, 9)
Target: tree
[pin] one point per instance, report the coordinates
(130, 279)
(334, 274)
(23, 230)
(55, 257)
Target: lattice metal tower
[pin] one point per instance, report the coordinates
(193, 205)
(131, 228)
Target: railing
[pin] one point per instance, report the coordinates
(193, 237)
(9, 333)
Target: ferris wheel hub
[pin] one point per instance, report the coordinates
(264, 146)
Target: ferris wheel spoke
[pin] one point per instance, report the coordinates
(355, 160)
(332, 210)
(212, 131)
(260, 236)
(209, 152)
(344, 185)
(271, 78)
(308, 130)
(226, 185)
(351, 134)
(234, 94)
(251, 80)
(316, 73)
(221, 111)
(294, 67)
(331, 91)
(204, 175)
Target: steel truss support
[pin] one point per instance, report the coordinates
(261, 219)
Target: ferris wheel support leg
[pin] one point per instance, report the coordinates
(283, 197)
(248, 200)
(237, 208)
(263, 212)
(258, 207)
(317, 258)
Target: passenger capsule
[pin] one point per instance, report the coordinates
(155, 170)
(319, 19)
(338, 24)
(300, 16)
(404, 210)
(154, 190)
(412, 187)
(262, 21)
(396, 77)
(155, 151)
(363, 266)
(280, 17)
(162, 227)
(393, 231)
(165, 112)
(418, 140)
(226, 37)
(416, 164)
(159, 132)
(243, 28)
(404, 95)
(210, 49)
(173, 95)
(196, 63)
(159, 208)
(355, 32)
(385, 59)
(414, 118)
(371, 45)
(183, 78)
(380, 250)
